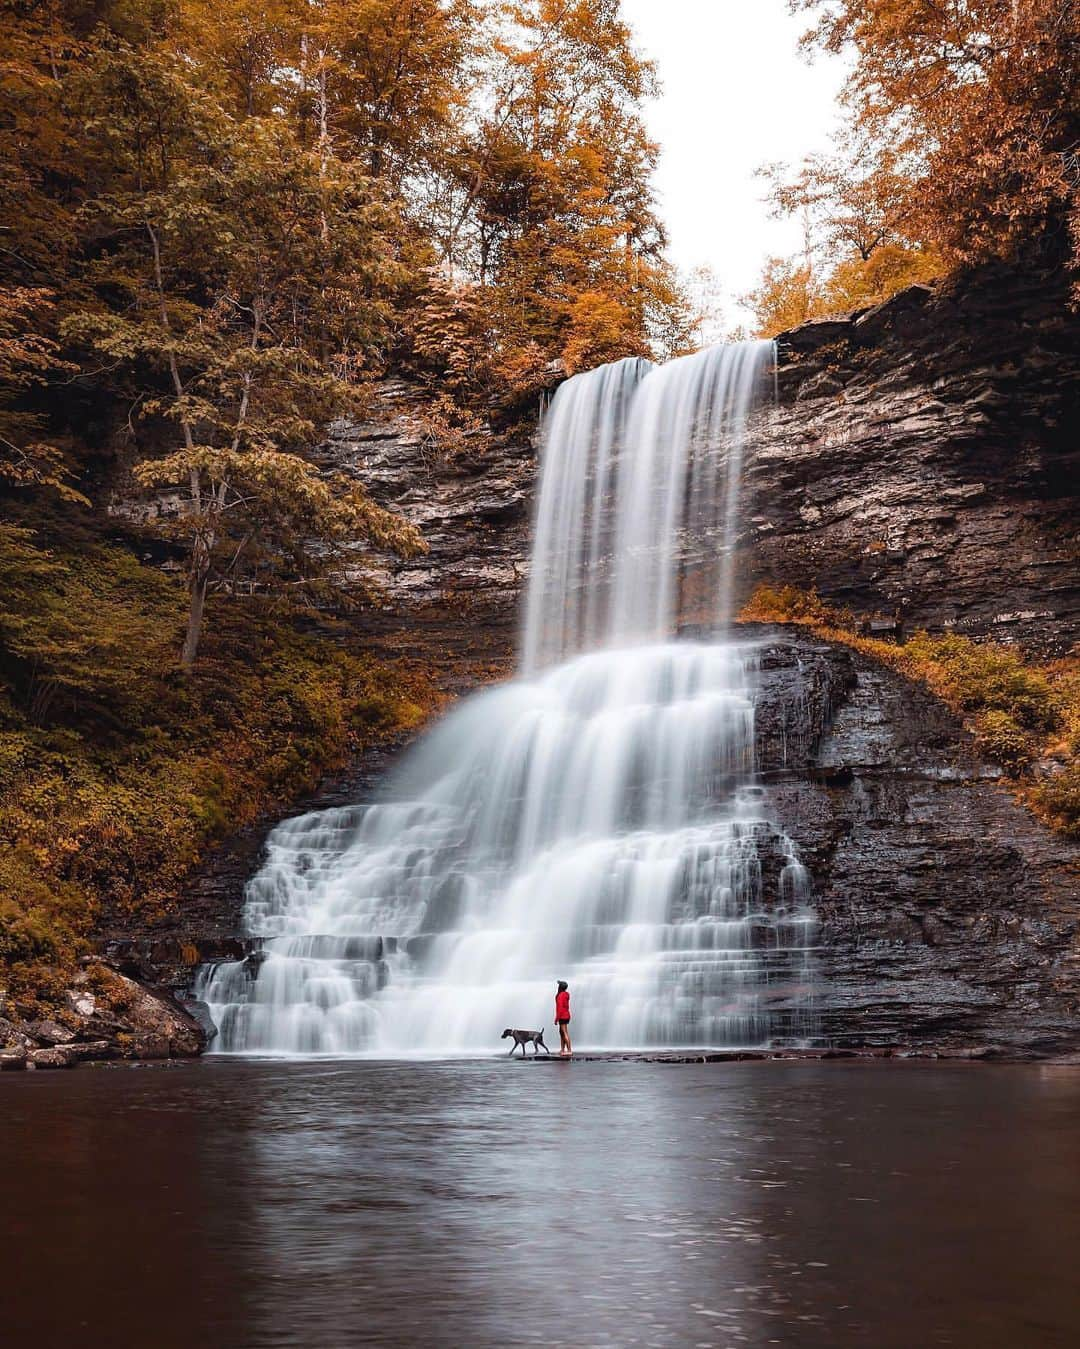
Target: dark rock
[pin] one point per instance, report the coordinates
(48, 1032)
(13, 1057)
(198, 1009)
(924, 460)
(149, 1023)
(93, 1050)
(61, 1056)
(474, 515)
(949, 915)
(10, 1034)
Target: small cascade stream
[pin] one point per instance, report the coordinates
(597, 819)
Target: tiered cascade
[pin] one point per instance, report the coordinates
(595, 820)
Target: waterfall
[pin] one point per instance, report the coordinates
(597, 819)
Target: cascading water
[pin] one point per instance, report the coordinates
(595, 820)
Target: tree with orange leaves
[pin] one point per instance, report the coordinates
(977, 100)
(964, 145)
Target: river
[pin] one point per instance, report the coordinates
(261, 1204)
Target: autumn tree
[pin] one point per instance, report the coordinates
(979, 99)
(223, 222)
(548, 222)
(250, 272)
(784, 297)
(962, 146)
(858, 245)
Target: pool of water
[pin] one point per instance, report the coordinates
(259, 1204)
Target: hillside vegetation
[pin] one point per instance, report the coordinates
(223, 224)
(1023, 717)
(116, 771)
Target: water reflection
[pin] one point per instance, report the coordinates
(489, 1204)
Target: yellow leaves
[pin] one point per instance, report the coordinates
(789, 293)
(600, 329)
(108, 797)
(784, 298)
(980, 99)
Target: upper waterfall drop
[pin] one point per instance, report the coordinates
(636, 461)
(597, 819)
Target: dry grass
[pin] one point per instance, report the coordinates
(1024, 716)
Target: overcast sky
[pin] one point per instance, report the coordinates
(737, 93)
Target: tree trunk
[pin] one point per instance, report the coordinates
(199, 584)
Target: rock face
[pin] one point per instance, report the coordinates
(924, 460)
(923, 463)
(950, 917)
(473, 511)
(132, 1021)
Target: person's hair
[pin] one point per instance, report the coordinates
(562, 985)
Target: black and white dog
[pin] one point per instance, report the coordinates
(524, 1037)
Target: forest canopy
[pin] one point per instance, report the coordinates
(222, 222)
(961, 144)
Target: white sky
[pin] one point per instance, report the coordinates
(737, 93)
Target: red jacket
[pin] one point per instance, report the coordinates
(562, 1006)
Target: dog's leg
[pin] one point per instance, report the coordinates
(512, 1048)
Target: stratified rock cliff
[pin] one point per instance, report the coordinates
(950, 918)
(473, 510)
(924, 461)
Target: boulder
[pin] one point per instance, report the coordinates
(60, 1056)
(81, 1001)
(49, 1033)
(146, 1023)
(91, 1051)
(13, 1058)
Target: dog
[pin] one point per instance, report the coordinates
(524, 1037)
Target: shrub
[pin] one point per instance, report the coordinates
(1057, 800)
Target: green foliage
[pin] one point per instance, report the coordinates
(115, 773)
(987, 679)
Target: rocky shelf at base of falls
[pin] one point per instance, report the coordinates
(950, 918)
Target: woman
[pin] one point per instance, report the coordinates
(562, 1018)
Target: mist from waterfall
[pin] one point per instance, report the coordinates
(598, 818)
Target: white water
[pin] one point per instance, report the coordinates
(597, 819)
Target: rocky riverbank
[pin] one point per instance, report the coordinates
(106, 1015)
